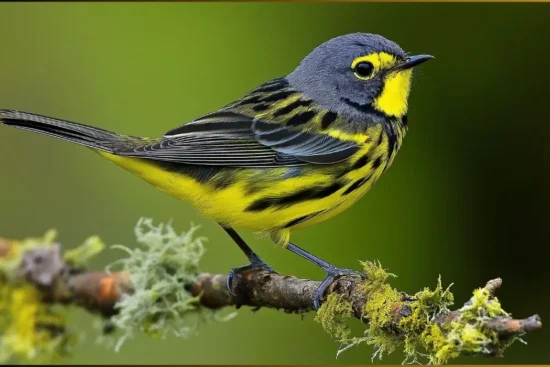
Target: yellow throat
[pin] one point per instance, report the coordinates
(395, 93)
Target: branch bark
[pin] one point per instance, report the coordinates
(99, 292)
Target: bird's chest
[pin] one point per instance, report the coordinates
(358, 175)
(370, 162)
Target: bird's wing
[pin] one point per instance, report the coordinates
(229, 138)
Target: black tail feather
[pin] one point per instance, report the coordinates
(71, 131)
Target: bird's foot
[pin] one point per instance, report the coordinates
(256, 263)
(333, 273)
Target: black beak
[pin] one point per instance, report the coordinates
(412, 62)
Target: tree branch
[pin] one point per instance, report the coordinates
(99, 292)
(422, 320)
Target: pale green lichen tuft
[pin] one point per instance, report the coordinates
(416, 331)
(159, 273)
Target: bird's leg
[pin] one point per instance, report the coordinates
(256, 262)
(333, 272)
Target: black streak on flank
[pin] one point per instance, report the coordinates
(380, 139)
(357, 184)
(312, 193)
(301, 219)
(301, 118)
(292, 106)
(392, 136)
(328, 119)
(405, 120)
(377, 163)
(201, 174)
(361, 162)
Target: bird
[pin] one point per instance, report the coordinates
(293, 152)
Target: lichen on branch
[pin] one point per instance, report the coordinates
(422, 323)
(159, 271)
(157, 288)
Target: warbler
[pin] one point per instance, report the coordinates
(291, 153)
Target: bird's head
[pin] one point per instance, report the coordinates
(357, 74)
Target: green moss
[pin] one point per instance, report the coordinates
(395, 323)
(427, 304)
(468, 334)
(482, 301)
(379, 310)
(435, 340)
(382, 298)
(434, 302)
(332, 315)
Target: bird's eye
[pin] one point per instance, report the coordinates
(363, 69)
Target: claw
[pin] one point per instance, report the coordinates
(257, 263)
(332, 274)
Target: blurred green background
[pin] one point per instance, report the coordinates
(467, 197)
